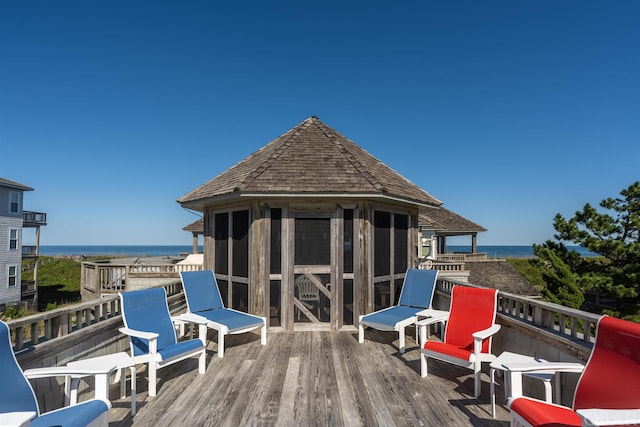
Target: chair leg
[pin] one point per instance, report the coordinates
(220, 344)
(476, 378)
(202, 362)
(423, 365)
(263, 332)
(133, 389)
(152, 378)
(401, 339)
(122, 373)
(360, 330)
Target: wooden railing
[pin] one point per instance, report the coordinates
(551, 320)
(107, 278)
(442, 265)
(462, 257)
(31, 330)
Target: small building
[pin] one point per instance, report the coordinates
(437, 224)
(310, 231)
(13, 221)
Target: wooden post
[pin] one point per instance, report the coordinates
(194, 249)
(258, 246)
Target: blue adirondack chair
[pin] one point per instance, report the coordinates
(415, 297)
(203, 299)
(152, 333)
(18, 404)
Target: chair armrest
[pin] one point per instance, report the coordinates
(439, 317)
(139, 334)
(606, 417)
(189, 318)
(60, 371)
(543, 366)
(18, 418)
(486, 333)
(435, 316)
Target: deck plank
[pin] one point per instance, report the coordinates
(311, 378)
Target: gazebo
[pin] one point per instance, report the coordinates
(310, 230)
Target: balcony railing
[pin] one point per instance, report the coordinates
(29, 251)
(33, 219)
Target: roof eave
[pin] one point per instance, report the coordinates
(200, 204)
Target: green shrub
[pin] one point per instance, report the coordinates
(14, 312)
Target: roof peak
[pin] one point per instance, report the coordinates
(311, 158)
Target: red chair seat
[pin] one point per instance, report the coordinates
(449, 350)
(542, 414)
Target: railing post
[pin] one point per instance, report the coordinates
(34, 333)
(537, 316)
(19, 338)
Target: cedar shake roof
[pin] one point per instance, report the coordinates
(444, 220)
(13, 184)
(196, 226)
(311, 158)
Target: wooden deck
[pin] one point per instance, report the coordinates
(311, 378)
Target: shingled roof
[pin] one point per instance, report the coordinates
(442, 219)
(309, 159)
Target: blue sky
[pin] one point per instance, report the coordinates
(508, 111)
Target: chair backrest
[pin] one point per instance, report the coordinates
(146, 310)
(611, 376)
(417, 289)
(16, 395)
(472, 310)
(201, 290)
(306, 289)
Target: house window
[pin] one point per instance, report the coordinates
(13, 239)
(14, 202)
(13, 275)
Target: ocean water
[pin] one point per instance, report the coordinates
(113, 250)
(497, 251)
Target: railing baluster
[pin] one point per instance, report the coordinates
(19, 338)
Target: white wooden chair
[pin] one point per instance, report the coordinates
(307, 293)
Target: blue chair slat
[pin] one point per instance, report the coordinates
(202, 290)
(391, 315)
(180, 348)
(147, 311)
(418, 288)
(232, 319)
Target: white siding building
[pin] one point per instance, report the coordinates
(13, 219)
